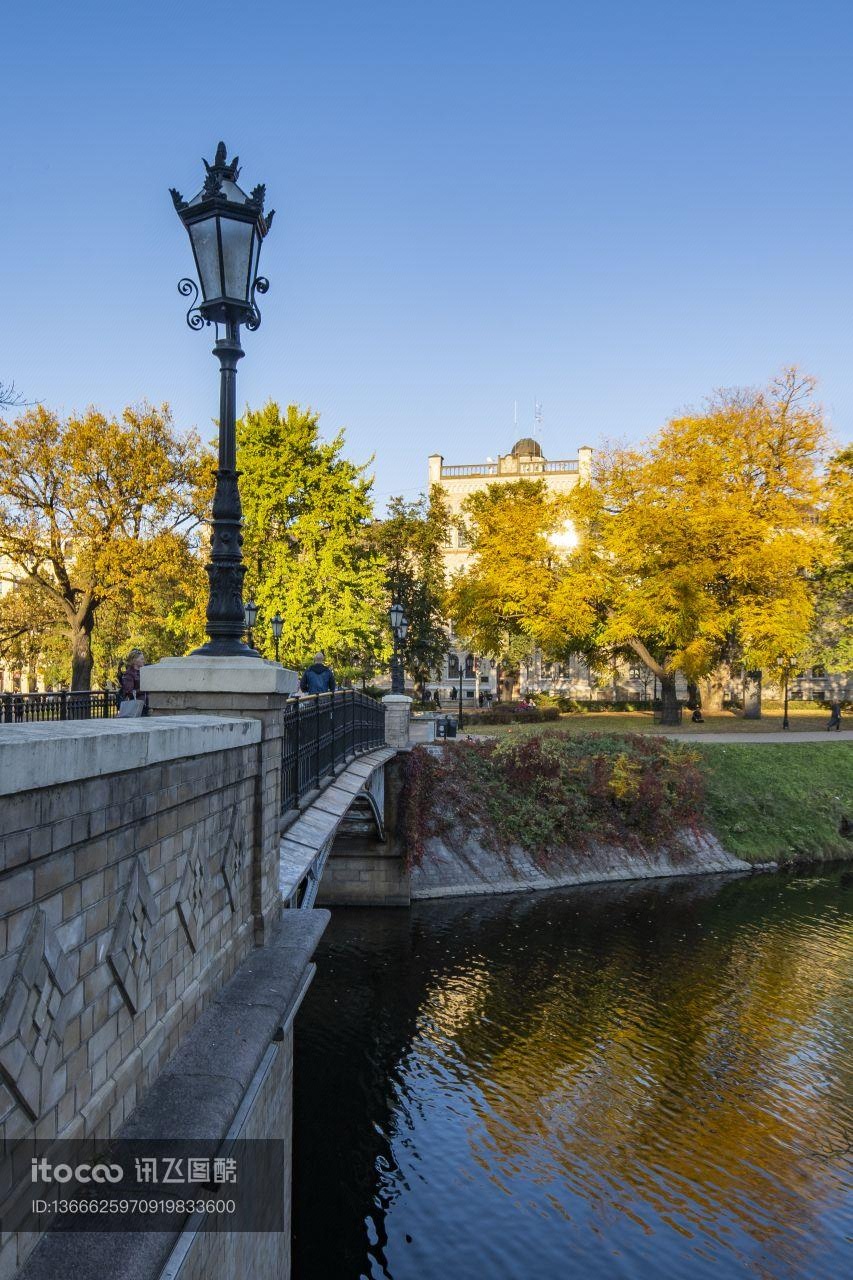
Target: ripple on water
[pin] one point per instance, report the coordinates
(603, 1082)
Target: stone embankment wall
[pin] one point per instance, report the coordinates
(469, 867)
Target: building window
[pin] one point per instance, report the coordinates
(453, 666)
(464, 537)
(818, 672)
(469, 666)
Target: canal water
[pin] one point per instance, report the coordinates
(646, 1080)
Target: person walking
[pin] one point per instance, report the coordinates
(318, 678)
(436, 697)
(834, 715)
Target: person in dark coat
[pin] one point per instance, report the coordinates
(834, 715)
(318, 678)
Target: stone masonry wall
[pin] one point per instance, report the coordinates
(267, 710)
(125, 903)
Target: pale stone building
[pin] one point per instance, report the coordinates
(524, 461)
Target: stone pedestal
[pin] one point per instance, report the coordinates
(398, 714)
(231, 687)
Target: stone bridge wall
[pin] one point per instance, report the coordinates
(126, 901)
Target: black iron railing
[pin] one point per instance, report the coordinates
(323, 731)
(26, 708)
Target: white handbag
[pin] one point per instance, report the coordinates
(130, 708)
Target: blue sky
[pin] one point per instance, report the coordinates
(611, 207)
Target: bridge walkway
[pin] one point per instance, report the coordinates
(307, 841)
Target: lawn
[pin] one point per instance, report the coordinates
(780, 803)
(643, 722)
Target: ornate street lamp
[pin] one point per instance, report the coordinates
(277, 624)
(250, 614)
(225, 227)
(399, 629)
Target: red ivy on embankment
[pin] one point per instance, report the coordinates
(550, 792)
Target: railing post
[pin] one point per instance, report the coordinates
(296, 753)
(316, 739)
(63, 705)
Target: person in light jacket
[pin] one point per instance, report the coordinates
(129, 679)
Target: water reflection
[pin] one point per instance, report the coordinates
(609, 1081)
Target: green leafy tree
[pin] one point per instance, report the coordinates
(90, 508)
(307, 543)
(411, 541)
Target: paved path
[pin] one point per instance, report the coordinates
(843, 735)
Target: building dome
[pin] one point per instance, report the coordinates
(526, 448)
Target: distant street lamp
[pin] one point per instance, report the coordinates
(250, 613)
(399, 630)
(459, 716)
(226, 228)
(277, 624)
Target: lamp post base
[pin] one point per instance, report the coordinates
(206, 673)
(224, 647)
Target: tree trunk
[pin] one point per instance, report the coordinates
(81, 654)
(669, 708)
(715, 687)
(694, 697)
(752, 695)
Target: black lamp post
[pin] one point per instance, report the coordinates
(461, 671)
(399, 629)
(785, 664)
(226, 228)
(277, 624)
(250, 613)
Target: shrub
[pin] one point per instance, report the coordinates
(576, 705)
(550, 791)
(512, 713)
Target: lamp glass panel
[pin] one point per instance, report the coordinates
(256, 259)
(236, 254)
(395, 613)
(203, 236)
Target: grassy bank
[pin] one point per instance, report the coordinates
(548, 790)
(779, 803)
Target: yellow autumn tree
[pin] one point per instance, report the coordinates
(97, 510)
(701, 543)
(707, 537)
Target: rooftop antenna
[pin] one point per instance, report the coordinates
(515, 413)
(537, 417)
